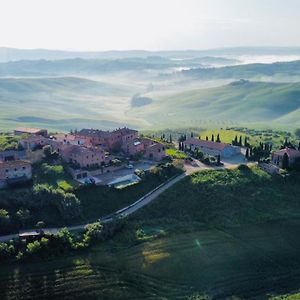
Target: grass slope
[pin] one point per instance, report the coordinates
(229, 233)
(63, 103)
(242, 101)
(279, 70)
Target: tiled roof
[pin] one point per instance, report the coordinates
(81, 150)
(14, 163)
(289, 151)
(28, 129)
(62, 136)
(93, 132)
(33, 138)
(206, 144)
(125, 131)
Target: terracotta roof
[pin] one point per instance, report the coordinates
(80, 150)
(206, 144)
(62, 136)
(33, 138)
(155, 145)
(14, 163)
(93, 132)
(125, 131)
(289, 151)
(28, 130)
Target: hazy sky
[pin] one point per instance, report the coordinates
(148, 24)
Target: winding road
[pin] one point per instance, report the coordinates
(128, 210)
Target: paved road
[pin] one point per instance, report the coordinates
(126, 211)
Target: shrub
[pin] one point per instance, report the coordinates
(243, 168)
(93, 233)
(66, 203)
(53, 172)
(4, 219)
(6, 251)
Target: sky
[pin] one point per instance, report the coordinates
(96, 25)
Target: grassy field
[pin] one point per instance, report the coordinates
(244, 102)
(106, 102)
(225, 198)
(218, 233)
(250, 261)
(64, 103)
(226, 136)
(175, 154)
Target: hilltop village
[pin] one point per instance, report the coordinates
(111, 157)
(87, 152)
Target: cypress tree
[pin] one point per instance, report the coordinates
(285, 161)
(207, 138)
(219, 159)
(192, 134)
(240, 141)
(218, 138)
(247, 153)
(235, 142)
(170, 139)
(212, 138)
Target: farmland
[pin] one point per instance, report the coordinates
(216, 244)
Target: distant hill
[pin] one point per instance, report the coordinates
(241, 101)
(12, 54)
(280, 69)
(102, 66)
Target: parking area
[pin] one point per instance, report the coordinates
(234, 161)
(108, 177)
(231, 162)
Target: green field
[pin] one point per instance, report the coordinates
(149, 100)
(247, 261)
(175, 154)
(226, 136)
(218, 233)
(63, 103)
(255, 137)
(244, 102)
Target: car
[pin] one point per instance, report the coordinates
(129, 166)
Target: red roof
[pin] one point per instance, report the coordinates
(206, 144)
(289, 151)
(125, 131)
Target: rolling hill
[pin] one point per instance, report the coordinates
(70, 102)
(63, 103)
(81, 66)
(13, 54)
(240, 101)
(279, 70)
